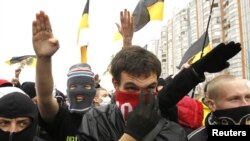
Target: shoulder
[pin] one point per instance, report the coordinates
(171, 131)
(174, 128)
(97, 111)
(198, 134)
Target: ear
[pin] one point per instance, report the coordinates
(95, 100)
(115, 83)
(211, 104)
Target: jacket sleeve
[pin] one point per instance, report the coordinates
(171, 131)
(178, 87)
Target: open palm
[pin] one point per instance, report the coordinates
(45, 45)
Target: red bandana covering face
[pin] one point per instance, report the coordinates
(127, 101)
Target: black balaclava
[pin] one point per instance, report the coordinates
(16, 104)
(80, 75)
(232, 116)
(29, 88)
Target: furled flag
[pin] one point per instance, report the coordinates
(83, 35)
(28, 60)
(195, 50)
(147, 10)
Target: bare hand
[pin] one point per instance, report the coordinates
(44, 44)
(15, 81)
(126, 29)
(17, 72)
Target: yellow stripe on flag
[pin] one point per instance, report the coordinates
(84, 54)
(156, 11)
(8, 62)
(117, 36)
(147, 10)
(83, 33)
(197, 57)
(33, 64)
(83, 25)
(84, 22)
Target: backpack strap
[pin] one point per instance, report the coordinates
(151, 135)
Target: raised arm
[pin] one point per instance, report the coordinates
(45, 45)
(15, 81)
(126, 28)
(215, 61)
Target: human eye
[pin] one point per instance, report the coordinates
(72, 87)
(4, 123)
(151, 88)
(235, 98)
(24, 123)
(248, 97)
(87, 87)
(131, 89)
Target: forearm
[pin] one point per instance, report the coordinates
(127, 42)
(181, 84)
(47, 104)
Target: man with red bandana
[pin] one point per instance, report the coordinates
(63, 124)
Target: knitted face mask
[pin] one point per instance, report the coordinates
(82, 78)
(88, 94)
(15, 105)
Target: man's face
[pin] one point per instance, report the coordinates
(15, 124)
(81, 92)
(131, 83)
(232, 94)
(103, 93)
(128, 92)
(100, 96)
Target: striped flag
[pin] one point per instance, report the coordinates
(28, 60)
(194, 51)
(83, 33)
(147, 10)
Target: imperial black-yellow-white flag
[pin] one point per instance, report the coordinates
(83, 33)
(194, 51)
(147, 10)
(28, 60)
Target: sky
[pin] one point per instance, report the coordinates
(16, 18)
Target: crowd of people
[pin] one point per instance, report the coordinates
(144, 107)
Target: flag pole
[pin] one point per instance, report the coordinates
(205, 38)
(208, 22)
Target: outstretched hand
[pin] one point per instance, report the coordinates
(126, 28)
(44, 44)
(217, 59)
(144, 118)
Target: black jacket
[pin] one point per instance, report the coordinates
(107, 124)
(199, 134)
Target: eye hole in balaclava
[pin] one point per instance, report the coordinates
(80, 88)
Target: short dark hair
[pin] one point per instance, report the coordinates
(136, 61)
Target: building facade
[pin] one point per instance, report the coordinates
(229, 22)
